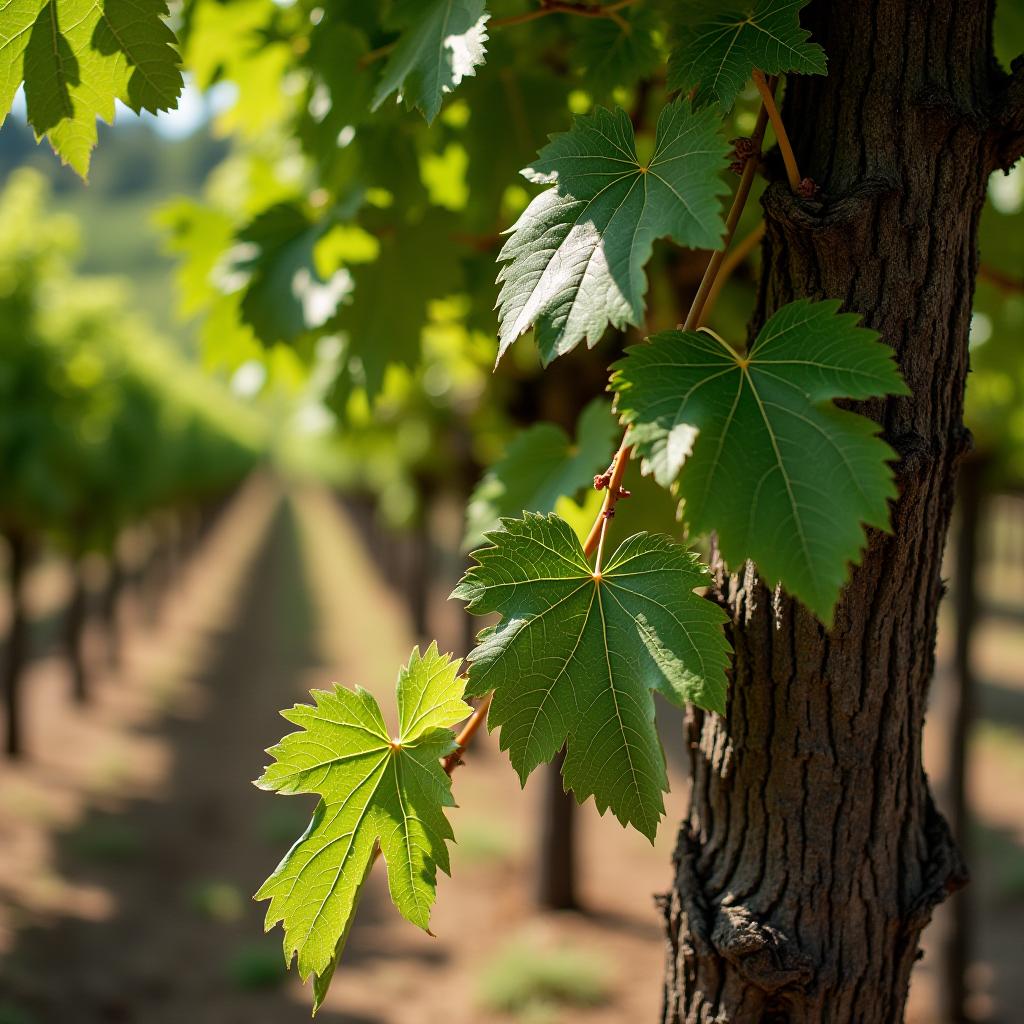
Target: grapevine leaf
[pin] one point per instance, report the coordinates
(540, 466)
(76, 57)
(384, 327)
(442, 41)
(720, 45)
(575, 260)
(287, 295)
(762, 455)
(374, 790)
(514, 109)
(577, 655)
(616, 52)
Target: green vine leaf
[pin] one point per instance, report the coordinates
(718, 49)
(540, 466)
(762, 455)
(576, 256)
(576, 656)
(375, 792)
(76, 57)
(384, 328)
(617, 52)
(442, 42)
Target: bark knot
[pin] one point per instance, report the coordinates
(762, 954)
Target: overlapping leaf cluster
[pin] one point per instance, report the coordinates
(385, 161)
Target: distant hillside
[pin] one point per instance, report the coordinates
(133, 170)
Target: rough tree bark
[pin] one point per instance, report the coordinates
(812, 853)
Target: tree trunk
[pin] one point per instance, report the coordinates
(74, 626)
(812, 854)
(957, 948)
(111, 599)
(17, 642)
(556, 867)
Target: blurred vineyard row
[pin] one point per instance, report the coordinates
(104, 426)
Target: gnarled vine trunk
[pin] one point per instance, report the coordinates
(812, 854)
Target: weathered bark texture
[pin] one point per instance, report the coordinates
(812, 854)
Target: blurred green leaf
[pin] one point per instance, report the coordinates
(442, 42)
(541, 465)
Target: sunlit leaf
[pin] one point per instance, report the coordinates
(374, 790)
(76, 57)
(442, 42)
(574, 263)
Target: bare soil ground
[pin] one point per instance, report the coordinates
(131, 840)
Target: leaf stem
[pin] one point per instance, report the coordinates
(788, 157)
(707, 283)
(546, 7)
(469, 730)
(600, 547)
(729, 264)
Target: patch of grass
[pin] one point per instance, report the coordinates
(531, 980)
(219, 901)
(257, 966)
(11, 1013)
(480, 840)
(106, 839)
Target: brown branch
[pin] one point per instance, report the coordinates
(547, 7)
(1006, 283)
(614, 476)
(469, 730)
(788, 157)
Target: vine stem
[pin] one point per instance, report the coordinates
(702, 301)
(618, 471)
(469, 730)
(610, 11)
(788, 156)
(701, 304)
(729, 264)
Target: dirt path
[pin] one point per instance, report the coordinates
(148, 917)
(183, 941)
